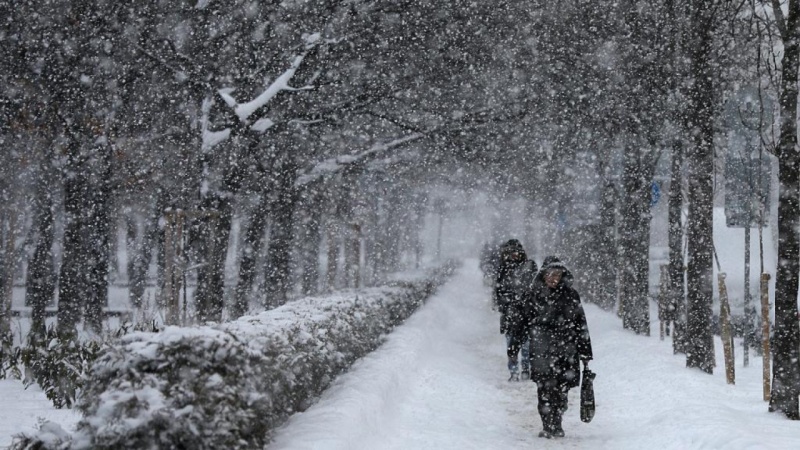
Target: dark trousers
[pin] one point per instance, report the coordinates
(552, 403)
(516, 344)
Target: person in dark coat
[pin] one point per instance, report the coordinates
(538, 282)
(513, 297)
(559, 342)
(489, 262)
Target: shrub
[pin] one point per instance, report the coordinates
(230, 385)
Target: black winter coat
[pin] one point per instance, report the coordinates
(559, 335)
(514, 295)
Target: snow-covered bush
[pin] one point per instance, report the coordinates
(58, 366)
(10, 362)
(230, 385)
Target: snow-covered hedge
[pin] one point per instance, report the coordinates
(230, 385)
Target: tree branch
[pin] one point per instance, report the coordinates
(780, 20)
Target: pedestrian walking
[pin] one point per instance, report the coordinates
(559, 343)
(513, 294)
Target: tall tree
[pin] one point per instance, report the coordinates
(700, 161)
(677, 304)
(40, 283)
(786, 343)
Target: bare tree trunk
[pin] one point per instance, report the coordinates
(607, 250)
(72, 279)
(332, 255)
(311, 241)
(353, 255)
(98, 244)
(700, 159)
(786, 341)
(248, 254)
(392, 234)
(215, 236)
(676, 307)
(142, 252)
(40, 282)
(6, 279)
(635, 244)
(278, 275)
(420, 208)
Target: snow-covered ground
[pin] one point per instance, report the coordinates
(21, 409)
(440, 382)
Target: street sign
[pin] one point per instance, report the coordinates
(655, 193)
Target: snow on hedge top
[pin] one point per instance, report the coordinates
(308, 311)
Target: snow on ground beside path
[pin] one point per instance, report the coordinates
(21, 409)
(439, 383)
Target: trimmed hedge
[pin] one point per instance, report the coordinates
(230, 385)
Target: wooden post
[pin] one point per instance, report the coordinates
(725, 330)
(765, 333)
(663, 296)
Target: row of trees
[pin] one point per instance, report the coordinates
(630, 82)
(319, 124)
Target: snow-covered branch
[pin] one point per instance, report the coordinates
(245, 110)
(334, 165)
(211, 138)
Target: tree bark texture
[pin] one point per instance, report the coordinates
(311, 241)
(676, 281)
(97, 247)
(7, 226)
(635, 243)
(146, 243)
(700, 160)
(607, 247)
(278, 272)
(215, 236)
(248, 256)
(72, 280)
(40, 282)
(786, 340)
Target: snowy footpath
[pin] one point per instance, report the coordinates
(440, 382)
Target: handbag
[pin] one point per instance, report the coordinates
(587, 395)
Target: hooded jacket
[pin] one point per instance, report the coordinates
(513, 288)
(559, 333)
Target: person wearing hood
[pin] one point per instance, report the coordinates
(538, 282)
(559, 342)
(513, 296)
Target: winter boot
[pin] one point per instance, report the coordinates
(514, 376)
(545, 434)
(558, 431)
(526, 374)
